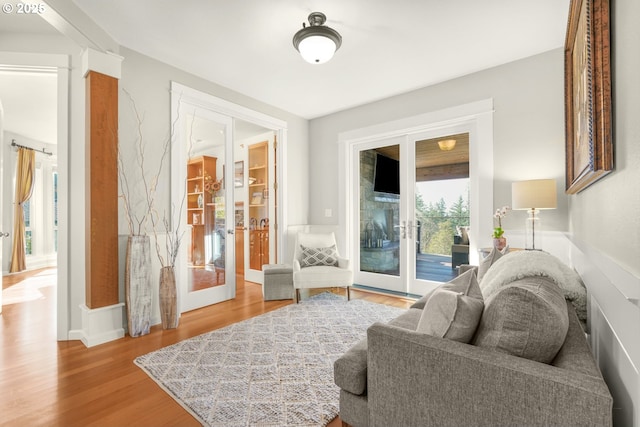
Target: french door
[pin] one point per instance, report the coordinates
(392, 217)
(203, 201)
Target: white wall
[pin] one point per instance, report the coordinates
(148, 81)
(605, 215)
(528, 131)
(604, 219)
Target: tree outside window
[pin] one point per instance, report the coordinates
(27, 228)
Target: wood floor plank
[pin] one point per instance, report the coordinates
(45, 382)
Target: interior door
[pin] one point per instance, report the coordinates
(3, 233)
(206, 264)
(260, 207)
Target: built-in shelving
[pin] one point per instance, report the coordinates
(200, 206)
(258, 205)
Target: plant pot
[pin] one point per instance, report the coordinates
(168, 298)
(137, 285)
(500, 243)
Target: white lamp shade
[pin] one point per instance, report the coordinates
(317, 49)
(534, 194)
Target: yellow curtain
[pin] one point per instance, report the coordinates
(25, 171)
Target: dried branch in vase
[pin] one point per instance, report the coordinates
(139, 220)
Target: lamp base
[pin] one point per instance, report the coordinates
(531, 227)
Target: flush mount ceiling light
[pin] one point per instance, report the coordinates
(317, 43)
(447, 144)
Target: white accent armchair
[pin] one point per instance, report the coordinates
(317, 264)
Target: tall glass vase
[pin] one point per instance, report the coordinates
(168, 298)
(137, 285)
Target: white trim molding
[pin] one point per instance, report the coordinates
(101, 325)
(108, 63)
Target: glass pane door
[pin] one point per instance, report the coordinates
(440, 209)
(207, 268)
(381, 232)
(412, 211)
(260, 212)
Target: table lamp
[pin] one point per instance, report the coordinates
(533, 196)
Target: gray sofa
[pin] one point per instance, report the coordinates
(399, 376)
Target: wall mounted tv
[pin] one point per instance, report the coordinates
(387, 175)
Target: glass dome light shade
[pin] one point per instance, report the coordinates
(317, 49)
(317, 43)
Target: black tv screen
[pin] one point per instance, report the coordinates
(387, 175)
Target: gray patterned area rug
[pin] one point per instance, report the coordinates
(275, 369)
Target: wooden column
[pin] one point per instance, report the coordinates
(102, 192)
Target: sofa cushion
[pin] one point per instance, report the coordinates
(407, 320)
(527, 318)
(521, 264)
(311, 257)
(453, 314)
(460, 283)
(350, 369)
(422, 301)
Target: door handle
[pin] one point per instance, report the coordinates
(410, 226)
(403, 229)
(230, 231)
(4, 234)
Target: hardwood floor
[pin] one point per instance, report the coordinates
(45, 382)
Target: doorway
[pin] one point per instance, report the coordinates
(48, 208)
(438, 209)
(226, 156)
(411, 199)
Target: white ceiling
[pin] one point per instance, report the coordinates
(29, 102)
(28, 96)
(389, 47)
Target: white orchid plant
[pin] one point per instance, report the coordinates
(500, 213)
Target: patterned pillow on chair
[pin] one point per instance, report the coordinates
(318, 256)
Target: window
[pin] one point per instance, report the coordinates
(41, 216)
(28, 233)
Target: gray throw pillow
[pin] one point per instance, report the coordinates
(460, 283)
(453, 313)
(487, 262)
(311, 257)
(527, 318)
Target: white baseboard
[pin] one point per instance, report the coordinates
(101, 325)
